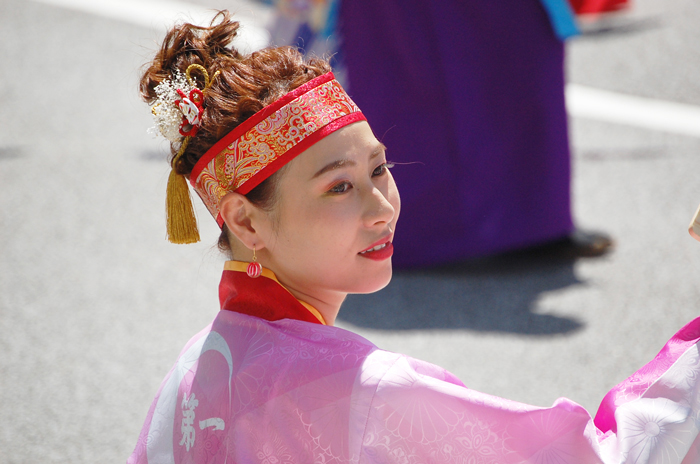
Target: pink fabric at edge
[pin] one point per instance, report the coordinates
(635, 386)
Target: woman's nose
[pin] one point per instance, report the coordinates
(378, 209)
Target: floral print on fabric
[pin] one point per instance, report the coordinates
(655, 430)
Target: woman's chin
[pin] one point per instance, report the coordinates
(379, 280)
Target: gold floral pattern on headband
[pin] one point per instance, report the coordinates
(270, 139)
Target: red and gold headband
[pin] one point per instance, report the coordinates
(271, 138)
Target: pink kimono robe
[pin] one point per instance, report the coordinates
(267, 382)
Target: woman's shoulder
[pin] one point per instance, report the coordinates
(287, 332)
(285, 346)
(300, 342)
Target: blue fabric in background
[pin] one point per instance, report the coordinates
(562, 18)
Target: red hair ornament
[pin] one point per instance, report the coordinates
(191, 107)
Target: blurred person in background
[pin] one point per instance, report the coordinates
(470, 98)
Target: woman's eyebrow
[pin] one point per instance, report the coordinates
(348, 162)
(335, 165)
(380, 148)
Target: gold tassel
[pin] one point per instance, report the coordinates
(180, 218)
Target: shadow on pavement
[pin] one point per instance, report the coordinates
(618, 27)
(496, 294)
(11, 152)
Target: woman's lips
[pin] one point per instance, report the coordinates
(379, 252)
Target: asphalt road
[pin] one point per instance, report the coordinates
(95, 304)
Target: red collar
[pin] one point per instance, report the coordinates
(262, 297)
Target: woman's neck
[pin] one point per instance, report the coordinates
(326, 303)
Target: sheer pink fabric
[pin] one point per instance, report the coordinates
(245, 390)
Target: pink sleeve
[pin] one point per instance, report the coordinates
(420, 418)
(638, 383)
(421, 413)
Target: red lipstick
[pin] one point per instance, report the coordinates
(380, 254)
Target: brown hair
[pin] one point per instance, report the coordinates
(245, 85)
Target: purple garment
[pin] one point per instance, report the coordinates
(474, 92)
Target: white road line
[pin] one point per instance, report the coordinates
(581, 101)
(161, 14)
(628, 110)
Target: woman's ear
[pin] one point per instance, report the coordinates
(243, 219)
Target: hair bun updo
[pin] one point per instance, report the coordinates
(245, 85)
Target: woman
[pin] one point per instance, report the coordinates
(288, 166)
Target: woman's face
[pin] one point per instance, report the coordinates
(336, 201)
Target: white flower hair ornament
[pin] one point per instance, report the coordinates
(178, 108)
(178, 115)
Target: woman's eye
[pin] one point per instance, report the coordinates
(381, 169)
(341, 187)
